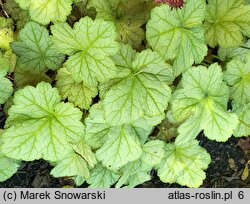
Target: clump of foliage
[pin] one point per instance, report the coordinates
(85, 83)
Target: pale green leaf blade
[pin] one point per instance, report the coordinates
(237, 76)
(243, 128)
(201, 104)
(7, 167)
(133, 174)
(227, 54)
(101, 177)
(77, 163)
(35, 50)
(83, 150)
(72, 165)
(137, 172)
(6, 88)
(91, 45)
(97, 129)
(153, 152)
(78, 93)
(44, 11)
(40, 126)
(142, 91)
(219, 125)
(177, 34)
(227, 22)
(122, 146)
(184, 164)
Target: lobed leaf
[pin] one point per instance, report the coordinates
(40, 126)
(178, 35)
(227, 22)
(35, 49)
(201, 102)
(184, 164)
(89, 45)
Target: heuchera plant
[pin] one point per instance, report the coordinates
(85, 90)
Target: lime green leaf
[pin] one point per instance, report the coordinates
(153, 153)
(6, 22)
(83, 150)
(201, 102)
(35, 50)
(7, 167)
(97, 129)
(184, 164)
(90, 45)
(227, 22)
(243, 113)
(142, 90)
(79, 180)
(8, 60)
(117, 145)
(78, 93)
(137, 172)
(133, 174)
(4, 64)
(121, 147)
(177, 34)
(101, 177)
(6, 37)
(72, 165)
(44, 11)
(76, 163)
(227, 54)
(6, 87)
(237, 77)
(40, 126)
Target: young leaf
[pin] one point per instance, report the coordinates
(90, 45)
(40, 126)
(243, 113)
(101, 177)
(140, 90)
(6, 87)
(44, 11)
(35, 49)
(184, 164)
(201, 102)
(78, 93)
(227, 22)
(177, 34)
(237, 77)
(77, 163)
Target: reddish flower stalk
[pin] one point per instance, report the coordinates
(172, 3)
